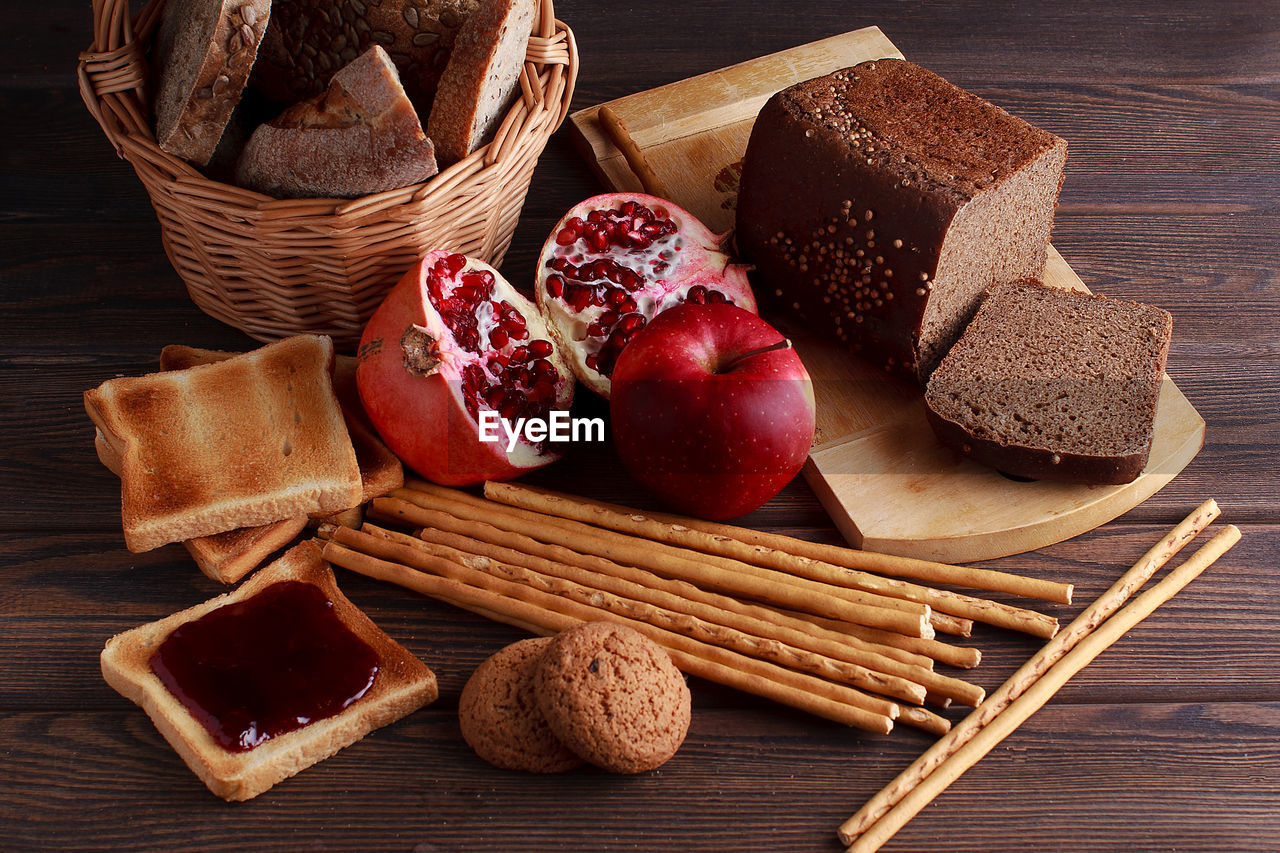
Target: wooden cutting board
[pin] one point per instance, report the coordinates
(887, 483)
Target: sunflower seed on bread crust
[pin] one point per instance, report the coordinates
(204, 51)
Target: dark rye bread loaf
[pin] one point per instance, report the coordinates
(881, 201)
(1053, 384)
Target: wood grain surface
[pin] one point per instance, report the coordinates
(1167, 742)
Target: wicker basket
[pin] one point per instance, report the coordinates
(274, 267)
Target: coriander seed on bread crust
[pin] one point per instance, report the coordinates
(402, 685)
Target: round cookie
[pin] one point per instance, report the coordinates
(499, 715)
(613, 696)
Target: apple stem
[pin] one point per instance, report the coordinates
(785, 343)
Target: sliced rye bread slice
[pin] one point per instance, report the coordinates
(481, 79)
(203, 54)
(1053, 384)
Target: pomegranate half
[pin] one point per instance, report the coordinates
(614, 262)
(452, 341)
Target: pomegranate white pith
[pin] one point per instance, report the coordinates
(617, 260)
(451, 341)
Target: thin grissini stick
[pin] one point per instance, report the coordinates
(965, 657)
(1026, 675)
(720, 548)
(469, 506)
(1036, 695)
(806, 596)
(414, 570)
(778, 642)
(580, 511)
(956, 626)
(488, 540)
(633, 602)
(737, 542)
(562, 530)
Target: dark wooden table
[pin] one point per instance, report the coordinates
(1169, 741)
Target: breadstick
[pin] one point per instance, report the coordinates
(676, 596)
(496, 513)
(671, 562)
(408, 567)
(965, 657)
(738, 542)
(634, 602)
(1026, 675)
(482, 538)
(633, 523)
(1036, 695)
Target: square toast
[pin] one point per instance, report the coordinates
(402, 685)
(243, 442)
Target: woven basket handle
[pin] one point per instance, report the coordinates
(113, 71)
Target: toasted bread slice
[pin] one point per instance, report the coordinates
(380, 470)
(244, 442)
(228, 557)
(402, 685)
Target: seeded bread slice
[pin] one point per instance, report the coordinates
(360, 137)
(1052, 384)
(403, 684)
(244, 442)
(481, 79)
(204, 51)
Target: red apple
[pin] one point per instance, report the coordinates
(712, 410)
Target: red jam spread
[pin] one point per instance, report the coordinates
(265, 666)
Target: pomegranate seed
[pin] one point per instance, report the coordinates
(628, 305)
(632, 323)
(597, 216)
(577, 296)
(598, 240)
(639, 240)
(555, 286)
(629, 208)
(597, 330)
(615, 297)
(697, 295)
(540, 348)
(519, 355)
(593, 360)
(493, 396)
(543, 390)
(575, 224)
(544, 369)
(715, 297)
(631, 280)
(498, 338)
(565, 237)
(455, 263)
